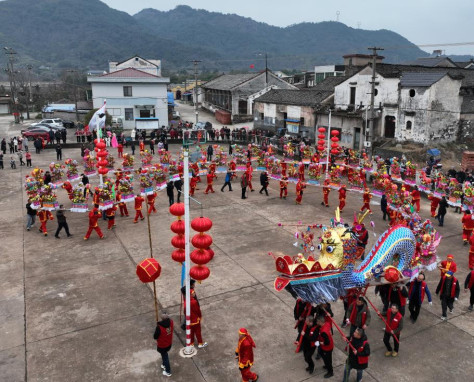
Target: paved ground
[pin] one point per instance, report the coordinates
(74, 310)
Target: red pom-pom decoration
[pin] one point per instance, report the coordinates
(148, 270)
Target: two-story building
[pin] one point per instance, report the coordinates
(133, 89)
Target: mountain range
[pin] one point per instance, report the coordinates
(88, 33)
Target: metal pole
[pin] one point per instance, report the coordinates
(28, 99)
(266, 70)
(188, 350)
(372, 97)
(329, 142)
(195, 63)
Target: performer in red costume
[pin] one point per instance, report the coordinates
(283, 187)
(150, 199)
(471, 253)
(138, 208)
(366, 198)
(110, 214)
(284, 166)
(300, 186)
(434, 204)
(415, 198)
(68, 187)
(249, 173)
(244, 354)
(301, 171)
(342, 197)
(195, 318)
(94, 216)
(326, 191)
(210, 180)
(467, 226)
(122, 205)
(448, 265)
(44, 216)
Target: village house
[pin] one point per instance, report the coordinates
(135, 91)
(232, 94)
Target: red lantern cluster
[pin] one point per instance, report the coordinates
(101, 156)
(148, 270)
(321, 139)
(203, 253)
(334, 144)
(178, 241)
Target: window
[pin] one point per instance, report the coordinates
(376, 92)
(408, 125)
(114, 112)
(412, 93)
(129, 114)
(262, 116)
(301, 121)
(127, 91)
(353, 96)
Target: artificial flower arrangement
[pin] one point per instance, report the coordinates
(56, 170)
(71, 173)
(128, 162)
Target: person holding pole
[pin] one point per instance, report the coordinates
(359, 352)
(326, 344)
(393, 328)
(358, 315)
(309, 341)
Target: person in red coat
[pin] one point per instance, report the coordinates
(44, 216)
(284, 167)
(150, 199)
(122, 205)
(415, 198)
(94, 216)
(300, 186)
(366, 198)
(301, 171)
(342, 197)
(471, 253)
(164, 339)
(249, 173)
(192, 185)
(326, 191)
(120, 150)
(210, 181)
(283, 187)
(393, 328)
(244, 354)
(467, 226)
(195, 319)
(110, 214)
(448, 265)
(138, 208)
(434, 204)
(326, 344)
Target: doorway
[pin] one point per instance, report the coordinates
(389, 126)
(357, 133)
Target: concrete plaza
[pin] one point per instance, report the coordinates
(75, 311)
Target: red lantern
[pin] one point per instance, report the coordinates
(322, 130)
(211, 253)
(177, 209)
(335, 133)
(334, 152)
(199, 272)
(178, 227)
(179, 255)
(103, 170)
(321, 142)
(334, 145)
(102, 163)
(200, 256)
(335, 139)
(100, 145)
(321, 148)
(321, 136)
(201, 241)
(148, 270)
(392, 274)
(201, 224)
(178, 241)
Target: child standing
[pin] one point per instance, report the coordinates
(12, 162)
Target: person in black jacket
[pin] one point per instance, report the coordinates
(178, 184)
(30, 214)
(448, 291)
(264, 182)
(469, 284)
(308, 344)
(164, 340)
(59, 152)
(442, 209)
(358, 359)
(62, 223)
(383, 206)
(170, 192)
(210, 152)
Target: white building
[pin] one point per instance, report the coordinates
(133, 89)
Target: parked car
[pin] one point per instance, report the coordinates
(48, 126)
(69, 124)
(50, 121)
(176, 115)
(38, 132)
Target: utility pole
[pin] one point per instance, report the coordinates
(370, 140)
(11, 57)
(196, 63)
(266, 70)
(29, 100)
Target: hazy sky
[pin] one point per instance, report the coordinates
(420, 21)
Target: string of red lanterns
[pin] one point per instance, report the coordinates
(178, 227)
(334, 144)
(321, 140)
(203, 253)
(101, 156)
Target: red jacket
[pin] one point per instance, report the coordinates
(151, 198)
(196, 314)
(165, 338)
(342, 193)
(394, 322)
(326, 328)
(451, 267)
(366, 197)
(415, 195)
(245, 351)
(210, 177)
(94, 215)
(110, 213)
(467, 222)
(138, 202)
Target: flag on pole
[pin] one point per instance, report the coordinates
(98, 120)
